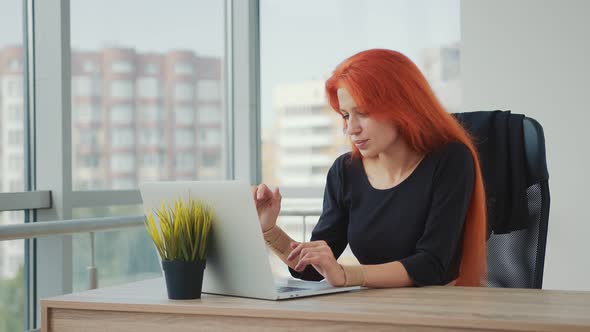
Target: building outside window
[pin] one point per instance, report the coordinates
(184, 137)
(184, 69)
(184, 115)
(148, 87)
(121, 114)
(122, 67)
(184, 92)
(122, 89)
(209, 90)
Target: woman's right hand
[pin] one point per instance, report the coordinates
(268, 205)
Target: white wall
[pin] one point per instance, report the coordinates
(533, 57)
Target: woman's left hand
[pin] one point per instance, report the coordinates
(320, 256)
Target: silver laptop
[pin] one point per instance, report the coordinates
(237, 258)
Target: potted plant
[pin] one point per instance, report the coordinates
(181, 241)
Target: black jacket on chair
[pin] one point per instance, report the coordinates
(498, 136)
(511, 149)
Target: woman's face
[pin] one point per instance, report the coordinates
(368, 134)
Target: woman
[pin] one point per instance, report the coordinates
(409, 198)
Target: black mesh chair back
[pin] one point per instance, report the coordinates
(516, 259)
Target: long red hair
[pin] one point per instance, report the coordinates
(388, 85)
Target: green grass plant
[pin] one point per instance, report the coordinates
(184, 229)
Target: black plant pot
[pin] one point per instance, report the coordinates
(184, 279)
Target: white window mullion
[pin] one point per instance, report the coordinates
(53, 142)
(244, 68)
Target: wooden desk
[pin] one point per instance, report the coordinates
(143, 306)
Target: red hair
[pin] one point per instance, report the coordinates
(388, 85)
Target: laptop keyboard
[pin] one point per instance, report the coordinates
(284, 289)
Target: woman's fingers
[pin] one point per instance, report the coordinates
(320, 259)
(309, 259)
(262, 192)
(308, 244)
(298, 247)
(306, 251)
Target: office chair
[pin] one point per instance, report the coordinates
(516, 257)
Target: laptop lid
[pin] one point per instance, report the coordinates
(237, 259)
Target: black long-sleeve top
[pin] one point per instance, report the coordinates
(419, 222)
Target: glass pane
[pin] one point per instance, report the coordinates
(122, 255)
(301, 135)
(12, 104)
(148, 100)
(12, 169)
(12, 284)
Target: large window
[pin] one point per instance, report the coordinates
(294, 108)
(12, 158)
(134, 83)
(151, 66)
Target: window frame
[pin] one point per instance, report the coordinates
(48, 259)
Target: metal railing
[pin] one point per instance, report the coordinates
(89, 225)
(45, 228)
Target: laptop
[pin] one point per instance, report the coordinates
(237, 257)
